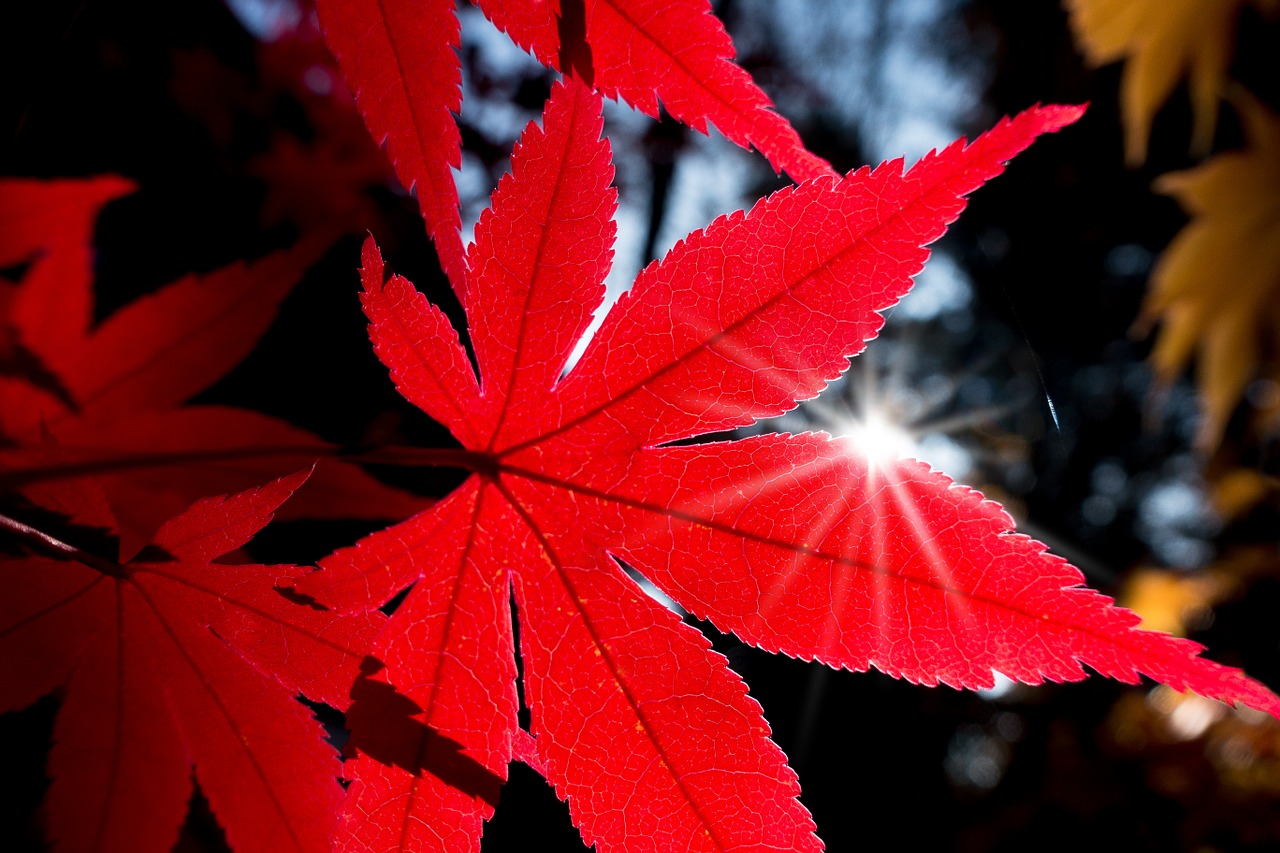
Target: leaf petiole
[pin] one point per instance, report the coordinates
(14, 479)
(41, 541)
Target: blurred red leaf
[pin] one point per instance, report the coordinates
(173, 661)
(118, 388)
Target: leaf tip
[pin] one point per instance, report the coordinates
(372, 270)
(1050, 118)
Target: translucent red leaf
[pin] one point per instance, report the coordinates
(116, 391)
(166, 347)
(539, 261)
(434, 714)
(256, 447)
(121, 777)
(762, 309)
(680, 53)
(532, 24)
(645, 731)
(260, 759)
(224, 449)
(181, 663)
(399, 60)
(795, 543)
(216, 526)
(822, 555)
(160, 350)
(671, 51)
(35, 215)
(49, 224)
(414, 339)
(50, 612)
(482, 529)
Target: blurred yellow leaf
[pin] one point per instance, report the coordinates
(1181, 602)
(1239, 490)
(1214, 290)
(1173, 601)
(1163, 40)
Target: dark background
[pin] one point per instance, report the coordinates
(234, 157)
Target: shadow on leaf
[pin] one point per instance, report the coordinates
(385, 727)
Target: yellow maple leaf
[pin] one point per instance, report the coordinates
(1238, 490)
(1216, 289)
(1173, 601)
(1162, 40)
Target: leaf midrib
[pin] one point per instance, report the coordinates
(804, 550)
(606, 655)
(786, 291)
(226, 714)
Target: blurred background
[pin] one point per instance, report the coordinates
(1094, 344)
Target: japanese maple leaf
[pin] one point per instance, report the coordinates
(116, 390)
(1214, 289)
(399, 59)
(793, 542)
(50, 227)
(173, 661)
(1162, 40)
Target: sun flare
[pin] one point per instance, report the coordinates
(882, 440)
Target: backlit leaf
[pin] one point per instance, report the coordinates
(795, 543)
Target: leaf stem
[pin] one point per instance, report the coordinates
(403, 456)
(17, 478)
(433, 457)
(42, 541)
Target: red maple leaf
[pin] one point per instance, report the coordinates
(171, 661)
(796, 543)
(115, 391)
(50, 227)
(399, 58)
